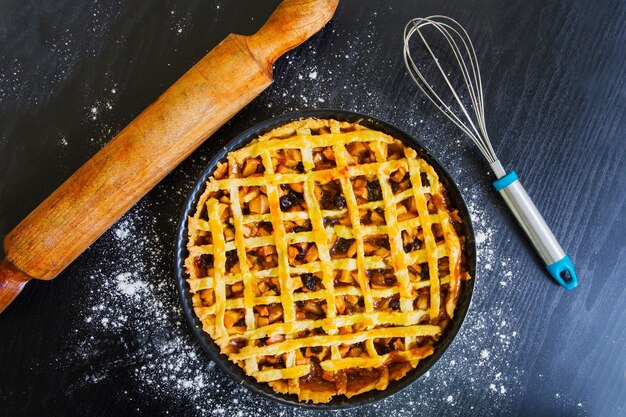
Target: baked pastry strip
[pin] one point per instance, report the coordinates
(217, 234)
(308, 141)
(343, 363)
(339, 230)
(286, 287)
(454, 257)
(339, 151)
(248, 292)
(321, 176)
(429, 239)
(320, 238)
(273, 299)
(327, 340)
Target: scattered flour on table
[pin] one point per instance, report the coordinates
(11, 75)
(178, 21)
(134, 305)
(137, 306)
(129, 286)
(24, 80)
(103, 105)
(122, 231)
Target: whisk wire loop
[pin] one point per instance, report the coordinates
(472, 123)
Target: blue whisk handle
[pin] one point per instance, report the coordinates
(558, 264)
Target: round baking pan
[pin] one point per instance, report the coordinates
(337, 402)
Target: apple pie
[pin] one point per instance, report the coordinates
(325, 259)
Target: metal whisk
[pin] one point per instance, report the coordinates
(471, 120)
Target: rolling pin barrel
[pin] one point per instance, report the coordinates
(144, 152)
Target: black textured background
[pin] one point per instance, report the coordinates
(553, 74)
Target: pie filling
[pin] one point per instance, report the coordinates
(325, 259)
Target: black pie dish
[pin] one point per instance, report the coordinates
(337, 402)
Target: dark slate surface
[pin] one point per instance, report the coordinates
(107, 336)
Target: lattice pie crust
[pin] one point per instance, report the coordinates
(325, 259)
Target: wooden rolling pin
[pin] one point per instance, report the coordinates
(168, 131)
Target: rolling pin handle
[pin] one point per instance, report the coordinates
(293, 22)
(12, 280)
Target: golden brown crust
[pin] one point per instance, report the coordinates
(324, 259)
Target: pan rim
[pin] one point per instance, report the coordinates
(338, 402)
